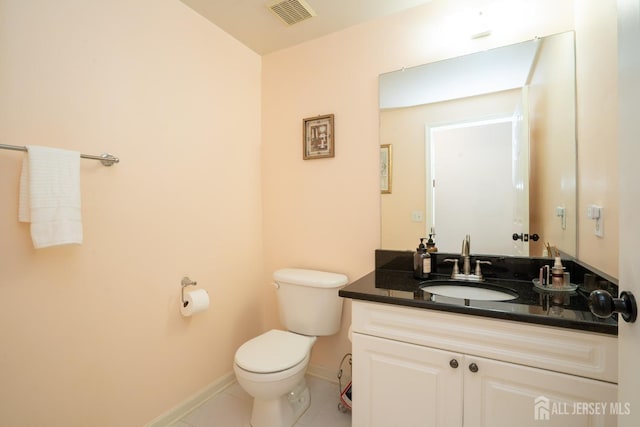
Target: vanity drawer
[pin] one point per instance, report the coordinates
(585, 354)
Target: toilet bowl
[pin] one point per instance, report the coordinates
(271, 368)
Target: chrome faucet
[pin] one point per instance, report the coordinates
(466, 249)
(466, 264)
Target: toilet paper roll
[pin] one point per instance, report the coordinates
(196, 301)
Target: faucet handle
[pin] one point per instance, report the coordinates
(455, 270)
(478, 270)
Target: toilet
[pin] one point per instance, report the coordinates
(271, 366)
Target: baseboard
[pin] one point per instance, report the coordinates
(324, 372)
(178, 412)
(181, 410)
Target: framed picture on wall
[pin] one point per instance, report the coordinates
(386, 168)
(318, 139)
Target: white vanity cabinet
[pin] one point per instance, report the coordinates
(401, 384)
(417, 367)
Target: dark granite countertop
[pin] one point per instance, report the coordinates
(532, 305)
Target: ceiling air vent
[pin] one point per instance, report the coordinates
(291, 11)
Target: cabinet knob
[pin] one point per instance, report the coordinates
(473, 367)
(453, 363)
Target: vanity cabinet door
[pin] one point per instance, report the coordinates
(400, 384)
(500, 394)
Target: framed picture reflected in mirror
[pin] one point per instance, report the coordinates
(386, 168)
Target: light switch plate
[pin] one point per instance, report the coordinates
(596, 213)
(562, 213)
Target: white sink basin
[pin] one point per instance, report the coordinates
(468, 292)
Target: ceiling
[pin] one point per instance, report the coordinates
(254, 25)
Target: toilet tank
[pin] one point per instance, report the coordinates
(308, 300)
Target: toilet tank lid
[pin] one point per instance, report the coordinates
(313, 278)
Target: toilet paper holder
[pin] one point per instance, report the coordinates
(186, 282)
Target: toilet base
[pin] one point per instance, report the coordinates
(283, 411)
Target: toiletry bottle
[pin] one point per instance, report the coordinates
(557, 274)
(543, 278)
(431, 245)
(421, 262)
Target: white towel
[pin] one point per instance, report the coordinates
(50, 196)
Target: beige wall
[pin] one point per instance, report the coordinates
(597, 94)
(91, 335)
(552, 121)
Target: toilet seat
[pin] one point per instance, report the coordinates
(273, 351)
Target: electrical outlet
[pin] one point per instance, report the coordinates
(599, 231)
(417, 216)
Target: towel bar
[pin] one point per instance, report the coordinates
(106, 159)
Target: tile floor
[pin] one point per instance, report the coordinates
(232, 408)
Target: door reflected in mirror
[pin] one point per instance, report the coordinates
(466, 190)
(492, 161)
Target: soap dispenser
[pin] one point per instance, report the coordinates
(431, 245)
(421, 261)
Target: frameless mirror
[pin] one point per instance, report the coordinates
(483, 144)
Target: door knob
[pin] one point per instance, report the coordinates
(525, 237)
(473, 367)
(453, 363)
(603, 305)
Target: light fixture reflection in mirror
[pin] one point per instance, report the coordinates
(531, 83)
